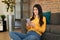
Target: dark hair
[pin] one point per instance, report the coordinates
(39, 13)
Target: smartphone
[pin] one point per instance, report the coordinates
(28, 20)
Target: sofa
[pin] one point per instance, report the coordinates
(53, 29)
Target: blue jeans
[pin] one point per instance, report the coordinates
(29, 36)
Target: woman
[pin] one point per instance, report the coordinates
(35, 27)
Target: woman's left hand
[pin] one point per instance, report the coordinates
(32, 24)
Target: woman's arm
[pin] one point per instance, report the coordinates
(29, 25)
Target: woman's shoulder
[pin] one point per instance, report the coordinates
(30, 17)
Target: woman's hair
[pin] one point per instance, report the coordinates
(40, 14)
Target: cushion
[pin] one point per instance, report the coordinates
(48, 16)
(51, 36)
(55, 18)
(53, 29)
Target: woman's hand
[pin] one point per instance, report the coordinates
(29, 24)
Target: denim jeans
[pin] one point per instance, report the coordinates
(29, 36)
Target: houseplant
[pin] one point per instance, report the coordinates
(3, 17)
(4, 22)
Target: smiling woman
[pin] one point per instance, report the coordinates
(36, 26)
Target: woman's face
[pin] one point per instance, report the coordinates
(35, 10)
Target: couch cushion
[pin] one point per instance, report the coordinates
(53, 29)
(51, 36)
(48, 16)
(55, 18)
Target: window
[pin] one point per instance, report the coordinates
(18, 9)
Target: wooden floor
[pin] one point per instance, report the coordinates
(4, 36)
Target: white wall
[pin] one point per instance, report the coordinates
(3, 8)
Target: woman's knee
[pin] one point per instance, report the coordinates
(14, 36)
(11, 33)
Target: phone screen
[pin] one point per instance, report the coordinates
(28, 20)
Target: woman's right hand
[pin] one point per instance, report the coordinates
(28, 26)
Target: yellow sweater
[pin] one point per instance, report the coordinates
(37, 27)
